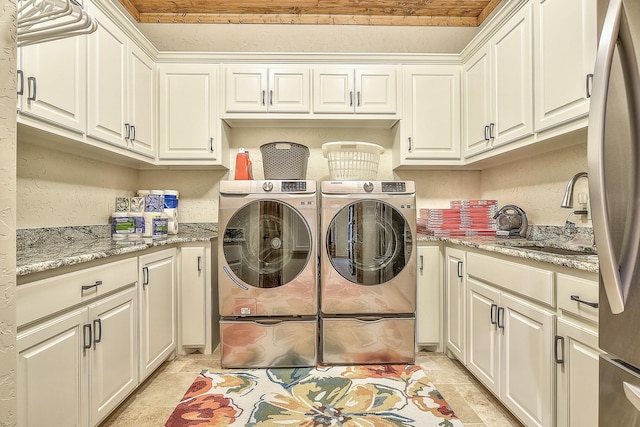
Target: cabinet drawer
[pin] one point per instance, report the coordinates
(525, 280)
(582, 289)
(44, 297)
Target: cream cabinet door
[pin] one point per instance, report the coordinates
(432, 113)
(289, 90)
(527, 373)
(376, 90)
(333, 90)
(564, 56)
(157, 312)
(193, 296)
(141, 116)
(429, 296)
(484, 329)
(107, 72)
(477, 102)
(53, 372)
(187, 112)
(52, 76)
(577, 370)
(114, 355)
(455, 306)
(512, 58)
(246, 89)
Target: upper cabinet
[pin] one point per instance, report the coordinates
(363, 90)
(121, 94)
(498, 87)
(52, 82)
(187, 112)
(431, 124)
(261, 89)
(565, 41)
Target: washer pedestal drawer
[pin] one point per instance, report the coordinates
(268, 342)
(367, 340)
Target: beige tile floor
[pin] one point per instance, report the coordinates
(153, 402)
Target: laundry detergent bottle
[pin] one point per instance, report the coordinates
(243, 165)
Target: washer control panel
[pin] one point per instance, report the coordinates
(394, 187)
(292, 186)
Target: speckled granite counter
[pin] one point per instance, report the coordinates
(512, 247)
(42, 249)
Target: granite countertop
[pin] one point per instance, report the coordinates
(42, 249)
(513, 247)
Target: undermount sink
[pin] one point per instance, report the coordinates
(554, 250)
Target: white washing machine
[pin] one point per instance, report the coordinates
(267, 273)
(368, 272)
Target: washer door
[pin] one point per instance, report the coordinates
(369, 242)
(267, 244)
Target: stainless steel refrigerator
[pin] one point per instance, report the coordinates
(614, 186)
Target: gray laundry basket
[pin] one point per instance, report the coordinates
(284, 160)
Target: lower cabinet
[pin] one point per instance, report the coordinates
(577, 356)
(429, 297)
(509, 351)
(157, 295)
(195, 297)
(455, 296)
(75, 368)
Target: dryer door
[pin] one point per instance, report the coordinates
(267, 244)
(369, 244)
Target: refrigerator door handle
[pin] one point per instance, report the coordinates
(616, 274)
(632, 393)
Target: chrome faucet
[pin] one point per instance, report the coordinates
(567, 200)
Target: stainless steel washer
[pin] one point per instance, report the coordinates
(267, 273)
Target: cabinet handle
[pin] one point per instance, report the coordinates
(86, 328)
(199, 267)
(358, 104)
(555, 350)
(263, 94)
(350, 98)
(421, 262)
(270, 97)
(460, 269)
(500, 319)
(590, 304)
(486, 133)
(95, 285)
(211, 144)
(410, 144)
(145, 276)
(127, 131)
(20, 82)
(133, 132)
(491, 129)
(97, 326)
(31, 83)
(492, 314)
(588, 83)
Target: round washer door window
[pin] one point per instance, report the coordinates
(267, 244)
(369, 242)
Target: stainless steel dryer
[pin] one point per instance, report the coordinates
(368, 272)
(267, 273)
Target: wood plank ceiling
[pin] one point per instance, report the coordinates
(460, 13)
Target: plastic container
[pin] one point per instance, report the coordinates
(352, 160)
(284, 160)
(243, 165)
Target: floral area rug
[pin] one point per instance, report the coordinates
(348, 396)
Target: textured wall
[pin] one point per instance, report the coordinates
(59, 189)
(8, 355)
(537, 184)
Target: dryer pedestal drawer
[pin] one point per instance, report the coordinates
(367, 341)
(268, 343)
